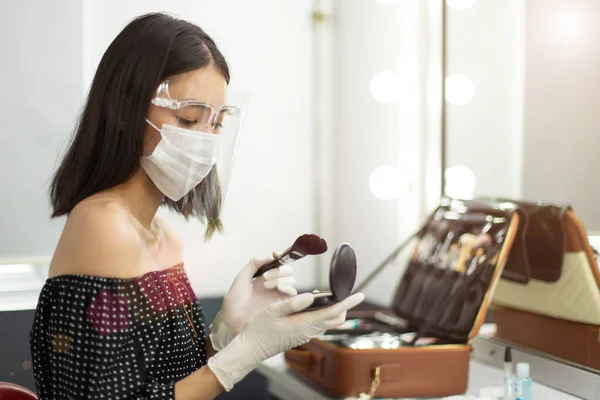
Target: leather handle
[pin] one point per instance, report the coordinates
(304, 361)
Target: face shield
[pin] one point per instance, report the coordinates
(198, 139)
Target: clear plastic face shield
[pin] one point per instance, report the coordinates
(199, 138)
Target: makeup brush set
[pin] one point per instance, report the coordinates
(419, 346)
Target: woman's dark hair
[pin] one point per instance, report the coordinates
(106, 147)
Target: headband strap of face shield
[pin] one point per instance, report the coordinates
(197, 136)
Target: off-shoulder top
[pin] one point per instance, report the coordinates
(110, 338)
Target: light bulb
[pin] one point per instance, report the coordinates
(388, 183)
(460, 4)
(385, 86)
(460, 182)
(459, 89)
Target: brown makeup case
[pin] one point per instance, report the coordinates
(443, 296)
(552, 304)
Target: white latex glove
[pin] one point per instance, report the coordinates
(275, 329)
(246, 298)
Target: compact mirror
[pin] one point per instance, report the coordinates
(342, 275)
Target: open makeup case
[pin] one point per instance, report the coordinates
(421, 345)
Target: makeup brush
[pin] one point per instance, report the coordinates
(483, 240)
(305, 245)
(442, 253)
(477, 259)
(466, 243)
(451, 256)
(479, 244)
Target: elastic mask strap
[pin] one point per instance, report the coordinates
(152, 125)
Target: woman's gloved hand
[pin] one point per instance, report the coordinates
(277, 328)
(246, 297)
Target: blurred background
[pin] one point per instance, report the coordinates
(363, 114)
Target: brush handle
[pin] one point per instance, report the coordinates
(267, 267)
(461, 265)
(287, 257)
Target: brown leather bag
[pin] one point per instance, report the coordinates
(554, 306)
(435, 300)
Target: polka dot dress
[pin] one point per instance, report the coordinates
(109, 338)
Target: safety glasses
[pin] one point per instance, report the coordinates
(195, 115)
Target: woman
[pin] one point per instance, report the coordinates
(117, 318)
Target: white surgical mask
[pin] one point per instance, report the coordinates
(181, 160)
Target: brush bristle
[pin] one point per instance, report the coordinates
(310, 244)
(483, 240)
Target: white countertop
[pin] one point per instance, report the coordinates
(286, 385)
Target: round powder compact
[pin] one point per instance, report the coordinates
(342, 275)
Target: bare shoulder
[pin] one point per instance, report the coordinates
(99, 239)
(171, 237)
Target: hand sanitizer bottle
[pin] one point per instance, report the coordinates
(522, 383)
